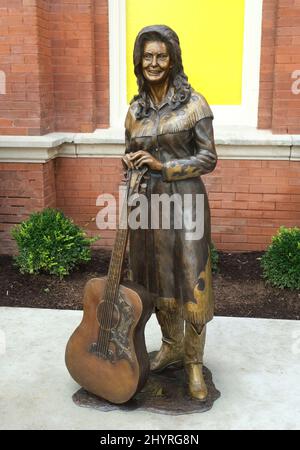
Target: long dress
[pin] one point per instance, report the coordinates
(174, 269)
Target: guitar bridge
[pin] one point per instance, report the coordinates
(101, 354)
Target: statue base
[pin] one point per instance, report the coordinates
(164, 393)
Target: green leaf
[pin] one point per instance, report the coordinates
(50, 242)
(281, 262)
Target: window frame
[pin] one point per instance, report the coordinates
(243, 115)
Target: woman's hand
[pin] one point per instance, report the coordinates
(126, 160)
(142, 158)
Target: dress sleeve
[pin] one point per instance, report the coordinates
(204, 159)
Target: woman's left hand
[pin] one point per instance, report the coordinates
(142, 158)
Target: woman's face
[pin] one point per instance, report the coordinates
(156, 62)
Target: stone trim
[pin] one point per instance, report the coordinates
(232, 143)
(295, 153)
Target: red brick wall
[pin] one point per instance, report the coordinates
(24, 188)
(49, 186)
(73, 50)
(102, 63)
(286, 106)
(55, 57)
(249, 200)
(20, 108)
(265, 109)
(46, 86)
(279, 107)
(79, 182)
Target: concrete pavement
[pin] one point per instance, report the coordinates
(255, 364)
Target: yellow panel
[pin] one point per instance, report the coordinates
(211, 35)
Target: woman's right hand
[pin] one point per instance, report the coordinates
(127, 163)
(141, 158)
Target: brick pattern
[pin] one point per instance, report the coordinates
(73, 63)
(49, 186)
(20, 108)
(46, 86)
(249, 200)
(24, 188)
(265, 109)
(279, 107)
(79, 40)
(55, 57)
(286, 105)
(102, 63)
(79, 182)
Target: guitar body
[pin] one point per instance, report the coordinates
(119, 375)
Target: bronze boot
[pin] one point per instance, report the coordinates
(193, 358)
(171, 351)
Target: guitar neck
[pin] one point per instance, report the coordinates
(118, 255)
(117, 260)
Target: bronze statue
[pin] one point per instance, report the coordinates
(169, 129)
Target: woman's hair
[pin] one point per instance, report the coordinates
(182, 88)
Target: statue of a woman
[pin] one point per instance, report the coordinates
(169, 129)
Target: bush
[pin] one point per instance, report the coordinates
(50, 242)
(281, 262)
(214, 258)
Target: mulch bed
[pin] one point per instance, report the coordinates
(239, 288)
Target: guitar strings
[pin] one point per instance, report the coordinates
(104, 316)
(104, 319)
(108, 297)
(114, 288)
(118, 255)
(111, 291)
(103, 322)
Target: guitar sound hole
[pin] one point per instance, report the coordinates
(108, 316)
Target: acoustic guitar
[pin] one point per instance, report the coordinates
(107, 354)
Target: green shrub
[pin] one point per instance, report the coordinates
(281, 262)
(50, 242)
(214, 258)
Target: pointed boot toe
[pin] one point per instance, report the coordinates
(197, 386)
